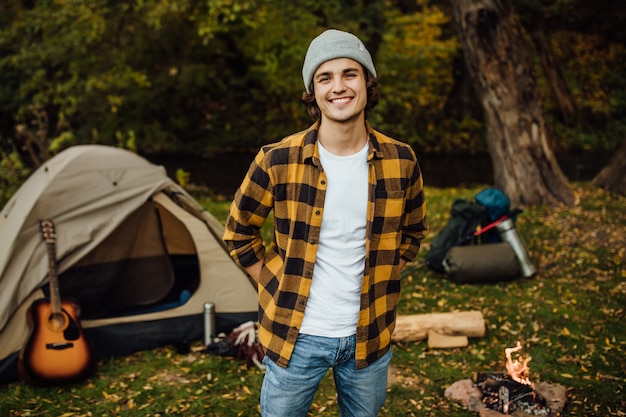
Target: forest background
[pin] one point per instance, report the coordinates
(200, 78)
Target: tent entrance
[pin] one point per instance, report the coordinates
(148, 263)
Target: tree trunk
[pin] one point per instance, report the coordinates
(525, 167)
(613, 176)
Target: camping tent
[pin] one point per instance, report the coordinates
(139, 255)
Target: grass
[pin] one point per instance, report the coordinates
(569, 318)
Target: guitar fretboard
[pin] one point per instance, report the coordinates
(49, 235)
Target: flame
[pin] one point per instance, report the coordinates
(518, 369)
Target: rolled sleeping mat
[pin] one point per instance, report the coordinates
(482, 263)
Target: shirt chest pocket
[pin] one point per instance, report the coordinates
(388, 211)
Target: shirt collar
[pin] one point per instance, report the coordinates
(310, 151)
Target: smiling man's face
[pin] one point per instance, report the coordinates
(340, 90)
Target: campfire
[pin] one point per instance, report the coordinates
(510, 392)
(513, 390)
(517, 369)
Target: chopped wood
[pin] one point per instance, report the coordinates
(437, 340)
(410, 328)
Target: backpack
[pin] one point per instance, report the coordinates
(465, 217)
(496, 202)
(497, 205)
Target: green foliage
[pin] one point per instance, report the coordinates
(587, 38)
(176, 75)
(596, 73)
(415, 64)
(569, 319)
(13, 174)
(157, 72)
(221, 74)
(182, 177)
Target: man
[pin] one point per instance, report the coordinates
(349, 212)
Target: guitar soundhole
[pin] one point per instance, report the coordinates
(57, 321)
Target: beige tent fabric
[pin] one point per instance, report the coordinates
(92, 192)
(15, 333)
(87, 191)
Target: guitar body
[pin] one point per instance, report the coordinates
(56, 350)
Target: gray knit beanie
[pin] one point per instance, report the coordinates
(333, 44)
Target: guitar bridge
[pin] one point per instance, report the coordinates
(59, 345)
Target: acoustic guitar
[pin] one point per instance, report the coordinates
(56, 350)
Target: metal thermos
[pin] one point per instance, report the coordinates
(509, 234)
(209, 323)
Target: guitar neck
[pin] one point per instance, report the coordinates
(49, 234)
(55, 293)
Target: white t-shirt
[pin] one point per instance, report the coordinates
(333, 306)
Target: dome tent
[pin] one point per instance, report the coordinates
(137, 253)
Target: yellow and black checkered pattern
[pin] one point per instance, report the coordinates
(287, 177)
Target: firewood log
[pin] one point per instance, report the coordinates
(443, 341)
(410, 328)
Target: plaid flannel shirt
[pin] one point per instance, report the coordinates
(287, 177)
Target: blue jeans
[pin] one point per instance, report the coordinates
(289, 392)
